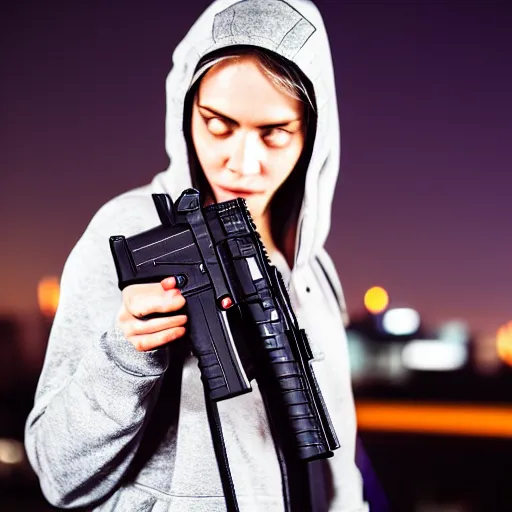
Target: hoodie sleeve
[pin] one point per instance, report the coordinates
(95, 389)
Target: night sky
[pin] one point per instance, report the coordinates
(424, 201)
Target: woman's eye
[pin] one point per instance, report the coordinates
(277, 137)
(216, 126)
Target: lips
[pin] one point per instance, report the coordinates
(239, 191)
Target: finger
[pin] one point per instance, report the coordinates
(147, 342)
(168, 283)
(166, 302)
(141, 327)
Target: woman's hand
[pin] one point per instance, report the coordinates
(140, 300)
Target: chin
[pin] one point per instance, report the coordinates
(255, 208)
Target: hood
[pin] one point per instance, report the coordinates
(294, 29)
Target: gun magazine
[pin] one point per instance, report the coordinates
(213, 345)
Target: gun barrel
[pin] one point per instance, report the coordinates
(283, 349)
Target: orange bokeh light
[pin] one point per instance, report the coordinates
(48, 294)
(504, 343)
(376, 300)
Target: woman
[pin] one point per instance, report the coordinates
(119, 420)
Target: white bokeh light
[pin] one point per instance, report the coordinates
(401, 321)
(434, 355)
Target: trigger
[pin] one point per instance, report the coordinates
(181, 280)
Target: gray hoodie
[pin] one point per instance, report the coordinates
(111, 427)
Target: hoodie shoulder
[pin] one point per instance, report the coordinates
(126, 214)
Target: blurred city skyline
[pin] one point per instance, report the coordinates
(423, 201)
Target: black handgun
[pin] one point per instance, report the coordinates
(241, 324)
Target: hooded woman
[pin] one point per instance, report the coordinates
(119, 420)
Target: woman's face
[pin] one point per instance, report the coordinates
(248, 134)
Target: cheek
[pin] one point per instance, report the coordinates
(284, 163)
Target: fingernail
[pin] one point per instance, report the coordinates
(168, 283)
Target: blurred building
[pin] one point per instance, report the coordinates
(10, 355)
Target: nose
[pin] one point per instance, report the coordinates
(246, 154)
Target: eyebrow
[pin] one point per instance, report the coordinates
(262, 126)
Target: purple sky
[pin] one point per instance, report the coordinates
(424, 201)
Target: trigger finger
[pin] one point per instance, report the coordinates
(168, 283)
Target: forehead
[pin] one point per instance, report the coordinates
(240, 89)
